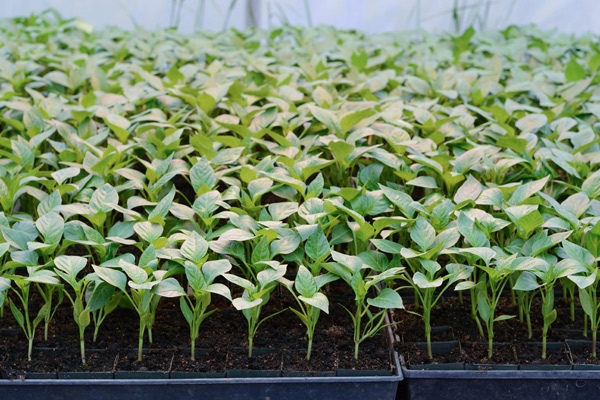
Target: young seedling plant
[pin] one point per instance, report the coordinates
(360, 278)
(426, 281)
(142, 297)
(542, 274)
(195, 306)
(311, 301)
(256, 296)
(68, 267)
(22, 290)
(586, 277)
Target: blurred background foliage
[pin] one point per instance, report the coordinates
(572, 16)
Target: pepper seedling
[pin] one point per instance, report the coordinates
(358, 276)
(68, 267)
(256, 296)
(22, 291)
(195, 306)
(310, 300)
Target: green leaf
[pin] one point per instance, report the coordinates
(387, 246)
(586, 303)
(311, 210)
(387, 298)
(194, 248)
(186, 311)
(484, 253)
(206, 102)
(148, 258)
(162, 208)
(51, 226)
(202, 174)
(280, 211)
(83, 319)
(261, 251)
(503, 317)
(258, 187)
(317, 246)
(350, 120)
(305, 283)
(220, 289)
(400, 199)
(574, 72)
(427, 182)
(468, 159)
(526, 282)
(421, 281)
(243, 304)
(195, 277)
(101, 295)
(112, 277)
(118, 125)
(422, 233)
(285, 244)
(71, 265)
(359, 59)
(104, 198)
(352, 263)
(326, 117)
(483, 307)
(315, 188)
(213, 269)
(241, 282)
(49, 203)
(469, 190)
(62, 175)
(583, 282)
(17, 314)
(531, 122)
(578, 253)
(592, 240)
(169, 288)
(148, 231)
(318, 300)
(16, 238)
(236, 235)
(207, 203)
(135, 273)
(523, 192)
(518, 145)
(340, 151)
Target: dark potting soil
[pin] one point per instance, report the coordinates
(223, 332)
(451, 312)
(323, 359)
(153, 360)
(16, 366)
(581, 352)
(374, 347)
(207, 361)
(417, 354)
(262, 359)
(477, 353)
(531, 353)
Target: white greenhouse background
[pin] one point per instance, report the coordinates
(572, 16)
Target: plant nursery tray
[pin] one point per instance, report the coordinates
(498, 384)
(346, 385)
(338, 387)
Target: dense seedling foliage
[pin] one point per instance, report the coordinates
(142, 165)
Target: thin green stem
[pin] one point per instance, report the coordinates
(594, 355)
(141, 341)
(357, 321)
(82, 348)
